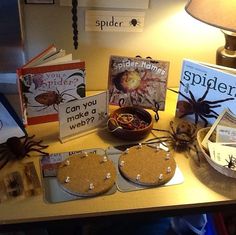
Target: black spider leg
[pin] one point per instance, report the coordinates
(30, 143)
(64, 93)
(74, 23)
(4, 158)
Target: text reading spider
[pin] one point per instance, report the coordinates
(181, 138)
(200, 108)
(17, 148)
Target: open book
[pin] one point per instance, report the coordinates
(50, 78)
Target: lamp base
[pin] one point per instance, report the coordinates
(226, 55)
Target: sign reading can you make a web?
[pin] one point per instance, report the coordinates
(114, 21)
(79, 116)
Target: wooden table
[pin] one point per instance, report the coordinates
(203, 188)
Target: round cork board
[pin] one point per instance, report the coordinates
(147, 166)
(86, 174)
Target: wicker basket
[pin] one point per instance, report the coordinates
(223, 170)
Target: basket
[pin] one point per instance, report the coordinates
(223, 170)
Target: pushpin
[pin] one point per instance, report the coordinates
(67, 180)
(127, 150)
(85, 154)
(138, 177)
(91, 186)
(157, 148)
(108, 175)
(168, 169)
(104, 159)
(67, 162)
(122, 163)
(139, 145)
(167, 156)
(160, 177)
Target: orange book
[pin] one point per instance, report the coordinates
(50, 78)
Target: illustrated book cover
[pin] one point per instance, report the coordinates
(137, 82)
(10, 123)
(51, 78)
(205, 91)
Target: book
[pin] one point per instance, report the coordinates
(137, 82)
(47, 80)
(205, 91)
(10, 123)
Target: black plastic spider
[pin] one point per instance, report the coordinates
(17, 148)
(231, 163)
(181, 138)
(200, 108)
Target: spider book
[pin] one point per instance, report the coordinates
(137, 82)
(48, 80)
(205, 91)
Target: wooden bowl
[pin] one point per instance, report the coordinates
(223, 170)
(130, 134)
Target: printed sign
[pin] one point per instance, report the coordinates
(82, 115)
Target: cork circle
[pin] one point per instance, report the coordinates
(86, 174)
(147, 166)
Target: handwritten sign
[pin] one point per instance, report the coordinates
(114, 21)
(83, 115)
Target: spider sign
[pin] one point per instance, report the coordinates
(201, 108)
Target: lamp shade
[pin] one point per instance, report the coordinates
(218, 13)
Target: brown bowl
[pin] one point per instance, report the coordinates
(122, 131)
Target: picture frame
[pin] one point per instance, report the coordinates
(39, 1)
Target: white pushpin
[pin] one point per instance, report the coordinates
(167, 156)
(122, 163)
(168, 169)
(160, 177)
(127, 151)
(139, 146)
(67, 180)
(157, 148)
(104, 159)
(91, 186)
(138, 177)
(108, 175)
(67, 162)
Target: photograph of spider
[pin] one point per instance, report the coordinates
(200, 108)
(231, 163)
(18, 148)
(181, 138)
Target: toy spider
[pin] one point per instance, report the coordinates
(17, 148)
(200, 108)
(180, 138)
(231, 163)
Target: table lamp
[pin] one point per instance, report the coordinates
(221, 14)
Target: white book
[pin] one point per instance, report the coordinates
(205, 91)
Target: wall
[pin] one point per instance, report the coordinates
(169, 34)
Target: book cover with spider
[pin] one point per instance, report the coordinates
(45, 86)
(205, 91)
(137, 82)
